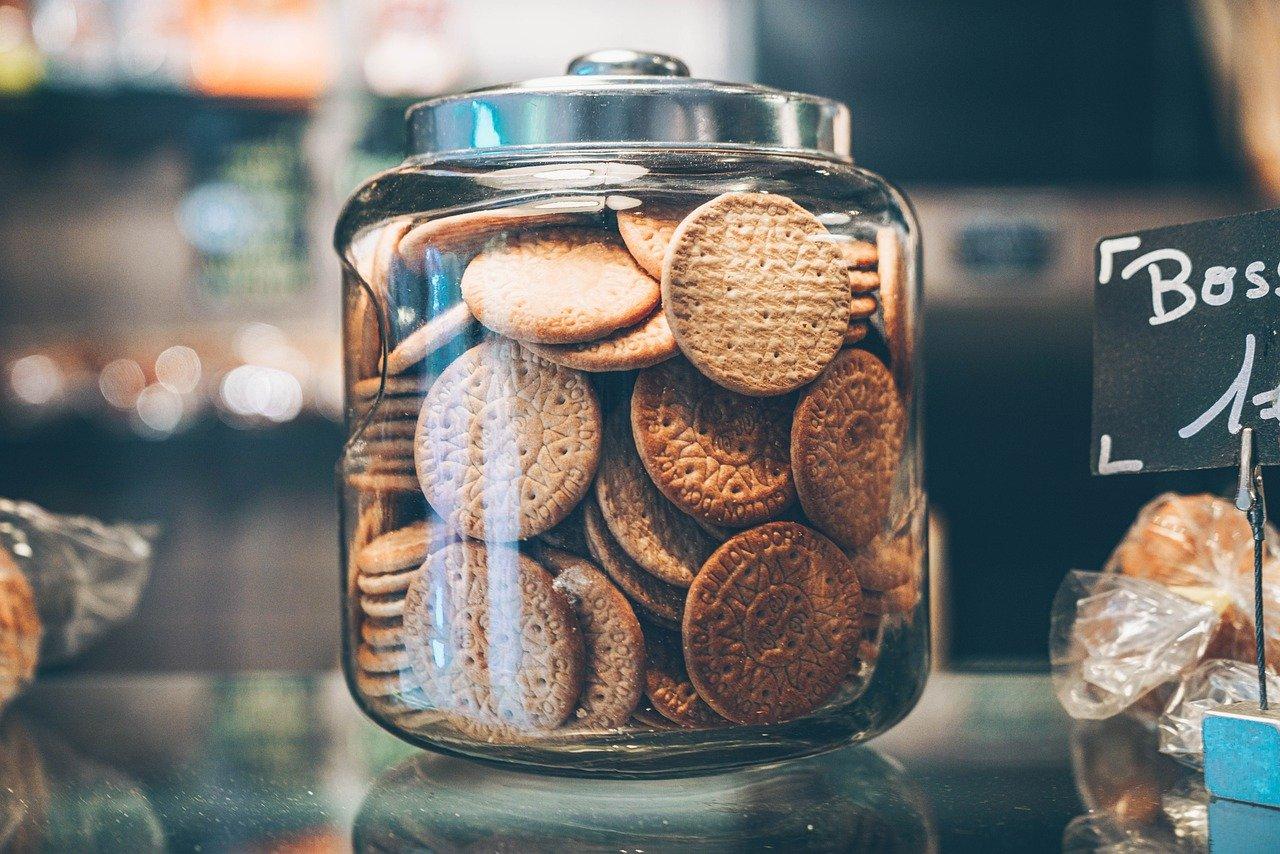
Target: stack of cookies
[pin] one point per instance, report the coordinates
(660, 453)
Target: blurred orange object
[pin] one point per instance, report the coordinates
(269, 49)
(19, 629)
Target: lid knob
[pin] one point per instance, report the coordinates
(628, 62)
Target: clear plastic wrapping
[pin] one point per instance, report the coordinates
(1214, 683)
(1113, 638)
(86, 576)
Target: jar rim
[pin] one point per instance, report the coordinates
(629, 109)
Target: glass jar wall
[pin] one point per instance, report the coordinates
(632, 482)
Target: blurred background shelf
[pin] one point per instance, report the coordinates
(170, 171)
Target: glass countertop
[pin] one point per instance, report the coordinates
(285, 762)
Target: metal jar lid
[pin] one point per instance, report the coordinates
(629, 98)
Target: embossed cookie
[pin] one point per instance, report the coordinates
(662, 602)
(757, 299)
(717, 455)
(772, 624)
(652, 530)
(428, 338)
(647, 343)
(507, 442)
(667, 684)
(490, 638)
(381, 659)
(395, 387)
(856, 332)
(647, 233)
(382, 633)
(846, 438)
(558, 286)
(613, 680)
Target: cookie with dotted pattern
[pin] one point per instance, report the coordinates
(661, 602)
(507, 442)
(647, 232)
(756, 294)
(558, 286)
(647, 343)
(846, 439)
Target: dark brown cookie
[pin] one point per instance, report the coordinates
(846, 439)
(490, 638)
(662, 602)
(667, 684)
(613, 681)
(772, 624)
(716, 454)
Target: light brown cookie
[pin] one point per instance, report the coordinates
(428, 338)
(489, 637)
(507, 442)
(451, 232)
(667, 684)
(382, 633)
(661, 602)
(846, 438)
(647, 343)
(861, 307)
(402, 548)
(772, 624)
(859, 254)
(863, 281)
(717, 455)
(857, 331)
(379, 686)
(372, 482)
(395, 387)
(391, 449)
(757, 299)
(558, 286)
(893, 301)
(647, 233)
(387, 430)
(381, 659)
(383, 606)
(613, 679)
(652, 530)
(386, 583)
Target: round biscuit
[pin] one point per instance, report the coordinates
(893, 303)
(558, 286)
(397, 581)
(383, 606)
(661, 602)
(428, 338)
(490, 638)
(654, 532)
(717, 455)
(613, 678)
(381, 482)
(772, 624)
(649, 342)
(381, 659)
(647, 233)
(460, 230)
(667, 685)
(757, 296)
(887, 562)
(846, 439)
(507, 442)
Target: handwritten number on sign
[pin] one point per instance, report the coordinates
(1235, 395)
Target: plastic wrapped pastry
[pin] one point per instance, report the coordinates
(1213, 684)
(1113, 638)
(19, 630)
(86, 576)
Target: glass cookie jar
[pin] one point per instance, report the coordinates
(632, 480)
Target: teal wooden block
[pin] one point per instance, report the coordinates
(1240, 828)
(1242, 753)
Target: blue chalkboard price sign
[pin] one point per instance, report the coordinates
(1186, 345)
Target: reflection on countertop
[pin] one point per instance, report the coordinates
(277, 760)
